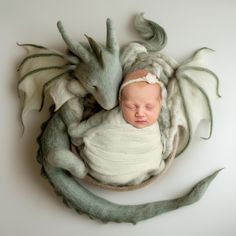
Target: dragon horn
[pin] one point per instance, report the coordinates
(77, 49)
(97, 49)
(112, 42)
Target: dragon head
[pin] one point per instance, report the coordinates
(99, 69)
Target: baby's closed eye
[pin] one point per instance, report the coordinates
(129, 106)
(149, 107)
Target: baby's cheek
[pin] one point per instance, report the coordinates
(126, 112)
(127, 115)
(155, 115)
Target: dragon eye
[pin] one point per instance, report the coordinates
(91, 87)
(95, 87)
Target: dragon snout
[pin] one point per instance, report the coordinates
(108, 102)
(109, 107)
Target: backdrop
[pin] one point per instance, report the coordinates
(28, 204)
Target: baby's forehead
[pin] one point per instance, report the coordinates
(144, 87)
(141, 96)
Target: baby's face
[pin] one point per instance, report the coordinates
(141, 104)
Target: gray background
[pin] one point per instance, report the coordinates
(28, 205)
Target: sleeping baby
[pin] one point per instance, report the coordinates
(123, 146)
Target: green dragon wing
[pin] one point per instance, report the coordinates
(197, 86)
(44, 71)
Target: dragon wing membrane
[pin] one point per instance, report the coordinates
(197, 87)
(40, 70)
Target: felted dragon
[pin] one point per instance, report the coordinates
(86, 79)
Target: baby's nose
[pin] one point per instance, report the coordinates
(139, 112)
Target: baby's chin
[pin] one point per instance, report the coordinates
(141, 124)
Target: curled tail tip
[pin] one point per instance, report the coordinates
(219, 170)
(197, 192)
(207, 180)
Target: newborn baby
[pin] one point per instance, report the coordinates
(123, 146)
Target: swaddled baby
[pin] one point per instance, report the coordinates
(123, 146)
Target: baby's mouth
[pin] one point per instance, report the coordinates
(140, 121)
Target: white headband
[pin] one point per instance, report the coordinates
(149, 78)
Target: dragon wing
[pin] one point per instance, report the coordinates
(44, 71)
(197, 86)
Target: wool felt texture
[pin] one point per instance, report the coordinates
(97, 70)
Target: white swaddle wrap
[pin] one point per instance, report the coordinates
(118, 153)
